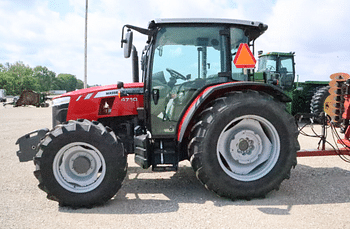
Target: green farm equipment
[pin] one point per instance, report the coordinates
(278, 68)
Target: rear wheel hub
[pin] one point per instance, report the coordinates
(246, 146)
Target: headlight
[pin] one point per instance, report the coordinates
(60, 101)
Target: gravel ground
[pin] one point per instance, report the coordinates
(316, 195)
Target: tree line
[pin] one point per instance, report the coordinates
(18, 77)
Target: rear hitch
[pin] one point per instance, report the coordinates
(28, 145)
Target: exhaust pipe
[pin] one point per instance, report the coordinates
(135, 65)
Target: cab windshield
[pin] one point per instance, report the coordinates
(275, 64)
(185, 59)
(196, 52)
(278, 68)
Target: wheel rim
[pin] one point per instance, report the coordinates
(79, 167)
(248, 148)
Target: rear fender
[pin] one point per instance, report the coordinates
(212, 92)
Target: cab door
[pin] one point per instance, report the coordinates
(185, 60)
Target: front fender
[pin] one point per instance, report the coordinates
(216, 91)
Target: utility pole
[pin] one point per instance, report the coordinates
(85, 64)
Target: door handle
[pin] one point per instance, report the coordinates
(155, 96)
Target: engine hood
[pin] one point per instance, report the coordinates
(100, 88)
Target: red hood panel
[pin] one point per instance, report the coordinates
(105, 101)
(100, 88)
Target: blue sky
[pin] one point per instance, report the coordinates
(51, 32)
(61, 6)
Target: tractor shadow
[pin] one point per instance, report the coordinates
(147, 192)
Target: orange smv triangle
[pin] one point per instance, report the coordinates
(244, 57)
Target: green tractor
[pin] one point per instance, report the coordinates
(278, 68)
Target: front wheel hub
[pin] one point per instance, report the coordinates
(79, 167)
(82, 164)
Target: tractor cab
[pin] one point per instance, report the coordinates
(184, 56)
(181, 59)
(187, 59)
(277, 68)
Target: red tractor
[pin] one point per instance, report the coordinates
(193, 104)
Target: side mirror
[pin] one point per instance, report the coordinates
(128, 43)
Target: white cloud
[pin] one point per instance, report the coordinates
(52, 35)
(38, 36)
(317, 32)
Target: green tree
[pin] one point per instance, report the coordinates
(8, 82)
(66, 82)
(2, 68)
(29, 83)
(17, 77)
(19, 69)
(44, 77)
(80, 84)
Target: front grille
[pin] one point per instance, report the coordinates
(59, 114)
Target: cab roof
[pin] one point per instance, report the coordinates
(278, 54)
(206, 21)
(254, 28)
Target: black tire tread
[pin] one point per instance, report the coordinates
(318, 99)
(199, 134)
(87, 126)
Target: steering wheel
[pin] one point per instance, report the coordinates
(176, 74)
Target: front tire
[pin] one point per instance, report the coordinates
(243, 145)
(80, 164)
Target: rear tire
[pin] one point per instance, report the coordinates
(318, 99)
(80, 164)
(243, 145)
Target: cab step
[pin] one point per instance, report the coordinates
(165, 158)
(164, 168)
